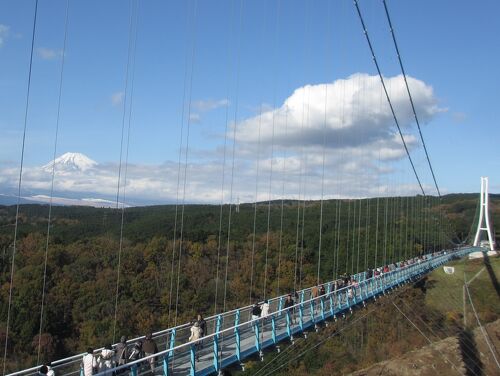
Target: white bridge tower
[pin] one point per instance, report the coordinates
(484, 217)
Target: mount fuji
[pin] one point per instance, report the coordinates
(70, 163)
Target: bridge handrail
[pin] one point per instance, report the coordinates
(77, 357)
(259, 319)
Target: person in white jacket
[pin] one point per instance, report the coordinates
(196, 336)
(265, 309)
(89, 363)
(106, 359)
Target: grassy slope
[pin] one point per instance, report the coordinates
(446, 290)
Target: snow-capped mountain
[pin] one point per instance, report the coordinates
(70, 162)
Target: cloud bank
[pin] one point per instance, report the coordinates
(333, 140)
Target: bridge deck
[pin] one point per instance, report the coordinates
(234, 336)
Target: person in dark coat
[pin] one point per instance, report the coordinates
(256, 311)
(203, 325)
(149, 347)
(121, 351)
(289, 302)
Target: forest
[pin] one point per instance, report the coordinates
(172, 259)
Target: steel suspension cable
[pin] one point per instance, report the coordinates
(49, 220)
(487, 338)
(367, 232)
(21, 165)
(276, 36)
(255, 204)
(226, 131)
(231, 185)
(301, 173)
(282, 203)
(179, 163)
(365, 31)
(186, 157)
(303, 158)
(324, 147)
(235, 127)
(131, 50)
(427, 338)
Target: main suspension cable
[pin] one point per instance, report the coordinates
(410, 96)
(365, 31)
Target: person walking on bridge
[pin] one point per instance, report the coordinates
(289, 302)
(121, 351)
(149, 347)
(106, 359)
(203, 329)
(89, 363)
(256, 311)
(195, 336)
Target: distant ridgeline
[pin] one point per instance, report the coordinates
(83, 257)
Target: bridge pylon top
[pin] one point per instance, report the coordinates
(484, 218)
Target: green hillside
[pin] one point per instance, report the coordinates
(84, 248)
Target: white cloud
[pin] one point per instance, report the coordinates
(362, 151)
(48, 53)
(209, 104)
(4, 33)
(194, 118)
(117, 98)
(356, 113)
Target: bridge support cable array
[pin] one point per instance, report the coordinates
(19, 185)
(128, 95)
(52, 179)
(245, 337)
(485, 334)
(427, 338)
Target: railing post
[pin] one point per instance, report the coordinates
(332, 304)
(288, 328)
(280, 305)
(322, 306)
(166, 372)
(257, 335)
(237, 334)
(273, 326)
(311, 310)
(301, 311)
(133, 370)
(172, 342)
(81, 371)
(192, 352)
(216, 343)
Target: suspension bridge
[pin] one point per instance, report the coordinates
(405, 237)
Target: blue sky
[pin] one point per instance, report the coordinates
(247, 71)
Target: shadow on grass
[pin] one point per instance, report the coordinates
(470, 354)
(491, 272)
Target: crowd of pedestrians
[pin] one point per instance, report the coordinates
(122, 353)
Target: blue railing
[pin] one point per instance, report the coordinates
(234, 336)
